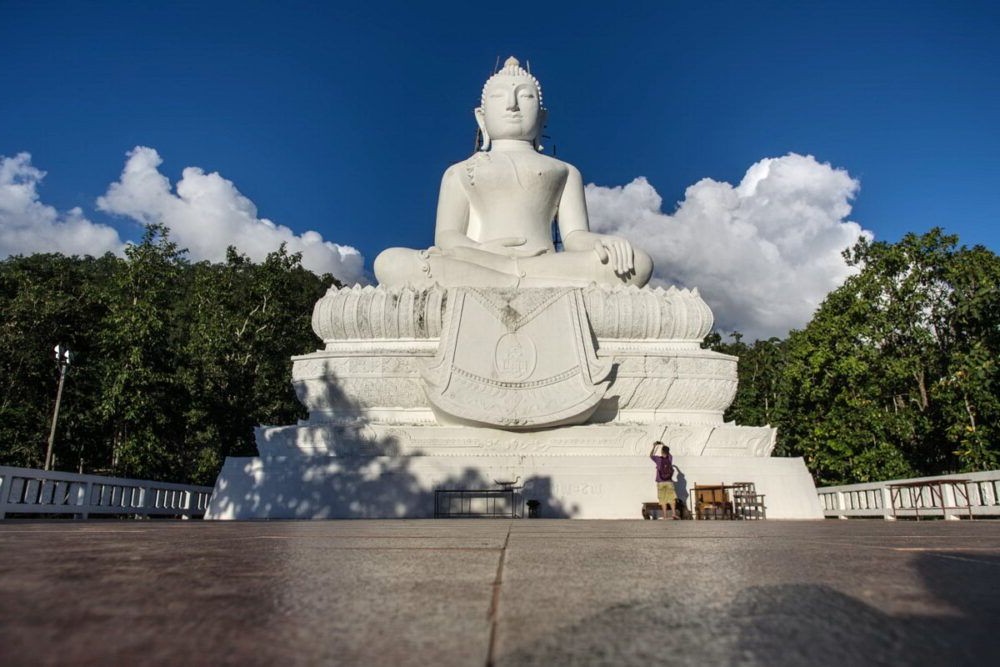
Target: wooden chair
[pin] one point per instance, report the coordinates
(747, 503)
(712, 502)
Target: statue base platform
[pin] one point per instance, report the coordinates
(564, 390)
(583, 487)
(583, 472)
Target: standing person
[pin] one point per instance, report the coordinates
(665, 491)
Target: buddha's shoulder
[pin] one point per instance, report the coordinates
(478, 159)
(550, 165)
(554, 164)
(465, 170)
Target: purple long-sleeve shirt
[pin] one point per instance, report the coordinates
(664, 467)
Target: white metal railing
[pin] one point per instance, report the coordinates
(965, 495)
(30, 491)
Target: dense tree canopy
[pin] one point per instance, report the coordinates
(174, 363)
(896, 373)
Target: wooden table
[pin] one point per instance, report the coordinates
(478, 503)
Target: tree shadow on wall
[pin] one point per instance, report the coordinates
(348, 470)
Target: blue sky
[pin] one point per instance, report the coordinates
(341, 119)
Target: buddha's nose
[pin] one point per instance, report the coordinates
(512, 103)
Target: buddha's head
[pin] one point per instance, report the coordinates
(511, 106)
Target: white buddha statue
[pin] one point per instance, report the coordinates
(495, 210)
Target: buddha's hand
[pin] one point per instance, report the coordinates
(509, 246)
(618, 252)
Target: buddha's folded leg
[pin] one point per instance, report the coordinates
(395, 267)
(582, 267)
(472, 267)
(488, 260)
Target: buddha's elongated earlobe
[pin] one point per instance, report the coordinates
(481, 122)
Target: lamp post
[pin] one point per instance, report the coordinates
(62, 360)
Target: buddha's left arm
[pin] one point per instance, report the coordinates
(574, 227)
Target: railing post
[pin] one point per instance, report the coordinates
(82, 499)
(948, 500)
(4, 484)
(887, 512)
(841, 504)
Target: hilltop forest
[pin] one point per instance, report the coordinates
(173, 365)
(175, 362)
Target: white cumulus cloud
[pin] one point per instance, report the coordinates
(28, 226)
(207, 214)
(763, 253)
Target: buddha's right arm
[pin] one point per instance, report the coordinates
(452, 213)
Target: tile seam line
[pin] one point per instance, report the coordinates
(493, 613)
(413, 548)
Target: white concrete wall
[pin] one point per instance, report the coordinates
(584, 487)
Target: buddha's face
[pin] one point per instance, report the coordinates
(511, 110)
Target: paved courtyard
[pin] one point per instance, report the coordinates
(522, 592)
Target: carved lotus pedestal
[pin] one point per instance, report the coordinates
(564, 389)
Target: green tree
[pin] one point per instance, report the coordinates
(45, 300)
(893, 375)
(175, 363)
(245, 322)
(142, 400)
(759, 371)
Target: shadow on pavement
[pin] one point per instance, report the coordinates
(794, 624)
